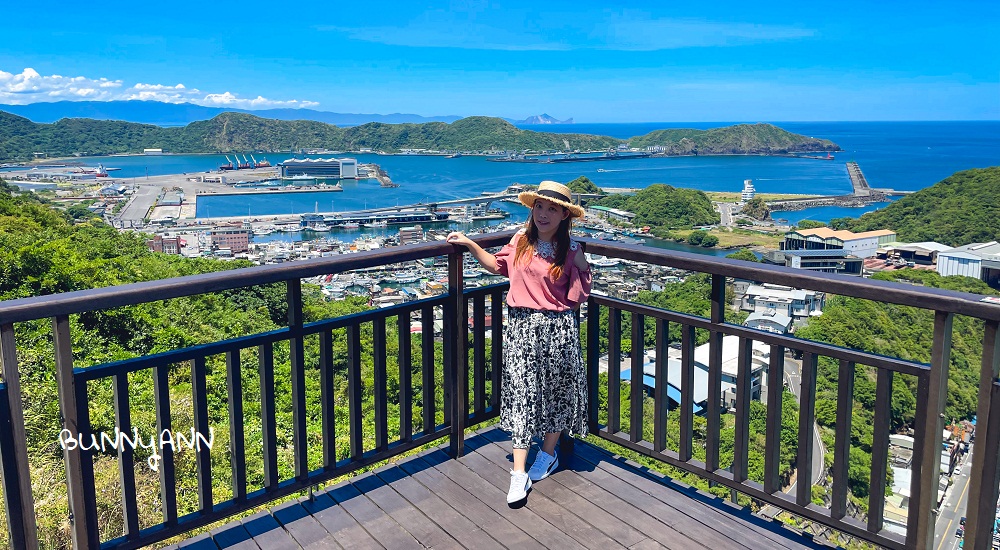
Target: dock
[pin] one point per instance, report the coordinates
(862, 194)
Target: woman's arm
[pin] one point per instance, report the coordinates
(487, 260)
(580, 260)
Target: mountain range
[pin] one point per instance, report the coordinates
(181, 114)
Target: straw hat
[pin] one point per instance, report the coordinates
(555, 192)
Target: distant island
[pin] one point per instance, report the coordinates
(543, 119)
(21, 139)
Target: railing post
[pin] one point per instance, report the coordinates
(713, 413)
(15, 471)
(984, 479)
(456, 379)
(920, 524)
(298, 375)
(79, 463)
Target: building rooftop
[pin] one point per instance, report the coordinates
(844, 235)
(834, 253)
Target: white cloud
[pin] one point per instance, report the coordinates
(31, 87)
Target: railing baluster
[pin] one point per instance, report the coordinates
(203, 460)
(456, 363)
(479, 353)
(427, 367)
(18, 498)
(405, 363)
(685, 448)
(268, 423)
(927, 437)
(772, 438)
(379, 384)
(614, 371)
(713, 414)
(880, 448)
(804, 477)
(661, 404)
(496, 345)
(741, 437)
(638, 394)
(593, 362)
(234, 390)
(984, 477)
(167, 474)
(842, 443)
(296, 357)
(126, 456)
(356, 416)
(328, 396)
(79, 462)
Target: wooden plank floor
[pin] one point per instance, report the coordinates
(595, 500)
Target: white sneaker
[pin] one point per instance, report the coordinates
(543, 465)
(519, 485)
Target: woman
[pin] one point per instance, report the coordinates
(544, 387)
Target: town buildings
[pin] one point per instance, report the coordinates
(862, 245)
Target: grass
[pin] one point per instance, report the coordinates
(741, 238)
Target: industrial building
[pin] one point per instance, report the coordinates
(977, 260)
(610, 213)
(333, 168)
(826, 261)
(862, 245)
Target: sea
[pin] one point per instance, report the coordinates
(905, 156)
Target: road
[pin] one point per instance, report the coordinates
(793, 377)
(950, 514)
(726, 214)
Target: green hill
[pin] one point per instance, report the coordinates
(666, 207)
(20, 138)
(960, 209)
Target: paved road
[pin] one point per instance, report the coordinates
(953, 508)
(726, 214)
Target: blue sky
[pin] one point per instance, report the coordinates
(595, 62)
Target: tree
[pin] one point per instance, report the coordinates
(756, 208)
(696, 237)
(583, 184)
(809, 224)
(744, 254)
(709, 240)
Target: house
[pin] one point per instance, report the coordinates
(770, 321)
(793, 303)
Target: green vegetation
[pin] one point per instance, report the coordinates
(663, 207)
(756, 208)
(743, 254)
(583, 184)
(809, 224)
(20, 138)
(961, 209)
(741, 139)
(43, 252)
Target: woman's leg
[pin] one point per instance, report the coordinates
(520, 459)
(548, 444)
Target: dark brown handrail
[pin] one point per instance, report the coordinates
(932, 381)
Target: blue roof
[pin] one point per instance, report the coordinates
(673, 393)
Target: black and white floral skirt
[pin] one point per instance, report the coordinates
(544, 384)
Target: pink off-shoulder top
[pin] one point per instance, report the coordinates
(531, 285)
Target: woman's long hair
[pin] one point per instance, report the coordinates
(526, 245)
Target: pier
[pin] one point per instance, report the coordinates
(863, 194)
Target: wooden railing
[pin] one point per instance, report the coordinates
(467, 400)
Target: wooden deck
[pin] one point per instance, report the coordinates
(595, 500)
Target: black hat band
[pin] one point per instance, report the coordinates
(554, 195)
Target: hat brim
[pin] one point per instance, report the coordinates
(528, 198)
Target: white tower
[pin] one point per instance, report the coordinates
(748, 191)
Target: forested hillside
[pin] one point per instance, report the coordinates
(20, 138)
(961, 209)
(665, 207)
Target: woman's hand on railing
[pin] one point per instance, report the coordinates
(487, 260)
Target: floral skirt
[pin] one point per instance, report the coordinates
(544, 384)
